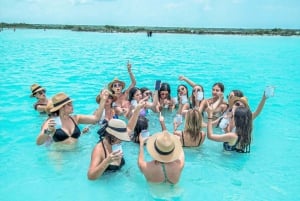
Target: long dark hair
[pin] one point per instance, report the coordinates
(243, 124)
(141, 124)
(165, 87)
(131, 93)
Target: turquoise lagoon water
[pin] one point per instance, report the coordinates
(80, 64)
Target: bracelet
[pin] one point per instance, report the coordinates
(47, 132)
(209, 118)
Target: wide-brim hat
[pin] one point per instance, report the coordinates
(164, 147)
(118, 129)
(241, 99)
(98, 98)
(59, 100)
(110, 85)
(36, 88)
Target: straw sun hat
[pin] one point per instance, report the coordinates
(36, 88)
(241, 99)
(59, 100)
(118, 128)
(110, 85)
(164, 147)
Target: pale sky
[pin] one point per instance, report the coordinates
(163, 13)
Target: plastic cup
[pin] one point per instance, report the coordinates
(57, 122)
(117, 147)
(145, 133)
(200, 95)
(178, 118)
(269, 91)
(184, 99)
(133, 103)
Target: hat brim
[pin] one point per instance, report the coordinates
(164, 158)
(241, 99)
(60, 106)
(40, 89)
(116, 80)
(120, 135)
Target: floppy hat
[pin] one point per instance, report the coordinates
(118, 128)
(235, 99)
(98, 98)
(59, 100)
(116, 80)
(164, 147)
(36, 88)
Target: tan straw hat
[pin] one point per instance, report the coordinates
(110, 85)
(36, 88)
(241, 99)
(164, 147)
(98, 98)
(49, 106)
(118, 128)
(59, 100)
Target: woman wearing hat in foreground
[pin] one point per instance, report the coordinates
(239, 139)
(63, 127)
(39, 93)
(104, 157)
(168, 155)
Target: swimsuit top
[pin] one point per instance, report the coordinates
(61, 135)
(189, 146)
(165, 174)
(228, 147)
(143, 112)
(113, 167)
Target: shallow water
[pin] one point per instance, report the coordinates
(80, 64)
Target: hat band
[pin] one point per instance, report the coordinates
(61, 102)
(36, 89)
(162, 152)
(118, 129)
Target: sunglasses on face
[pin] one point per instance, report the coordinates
(181, 89)
(239, 104)
(112, 139)
(148, 93)
(164, 94)
(115, 85)
(40, 92)
(70, 104)
(196, 90)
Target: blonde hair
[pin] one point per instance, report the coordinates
(193, 123)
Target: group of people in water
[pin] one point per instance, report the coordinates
(122, 116)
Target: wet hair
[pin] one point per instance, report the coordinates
(243, 124)
(237, 93)
(221, 85)
(193, 124)
(165, 87)
(131, 93)
(141, 124)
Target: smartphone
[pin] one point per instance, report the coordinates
(117, 147)
(269, 91)
(157, 84)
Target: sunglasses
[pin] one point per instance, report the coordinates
(112, 139)
(115, 85)
(164, 94)
(239, 104)
(181, 89)
(148, 94)
(110, 97)
(40, 92)
(196, 90)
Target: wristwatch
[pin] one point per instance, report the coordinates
(47, 132)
